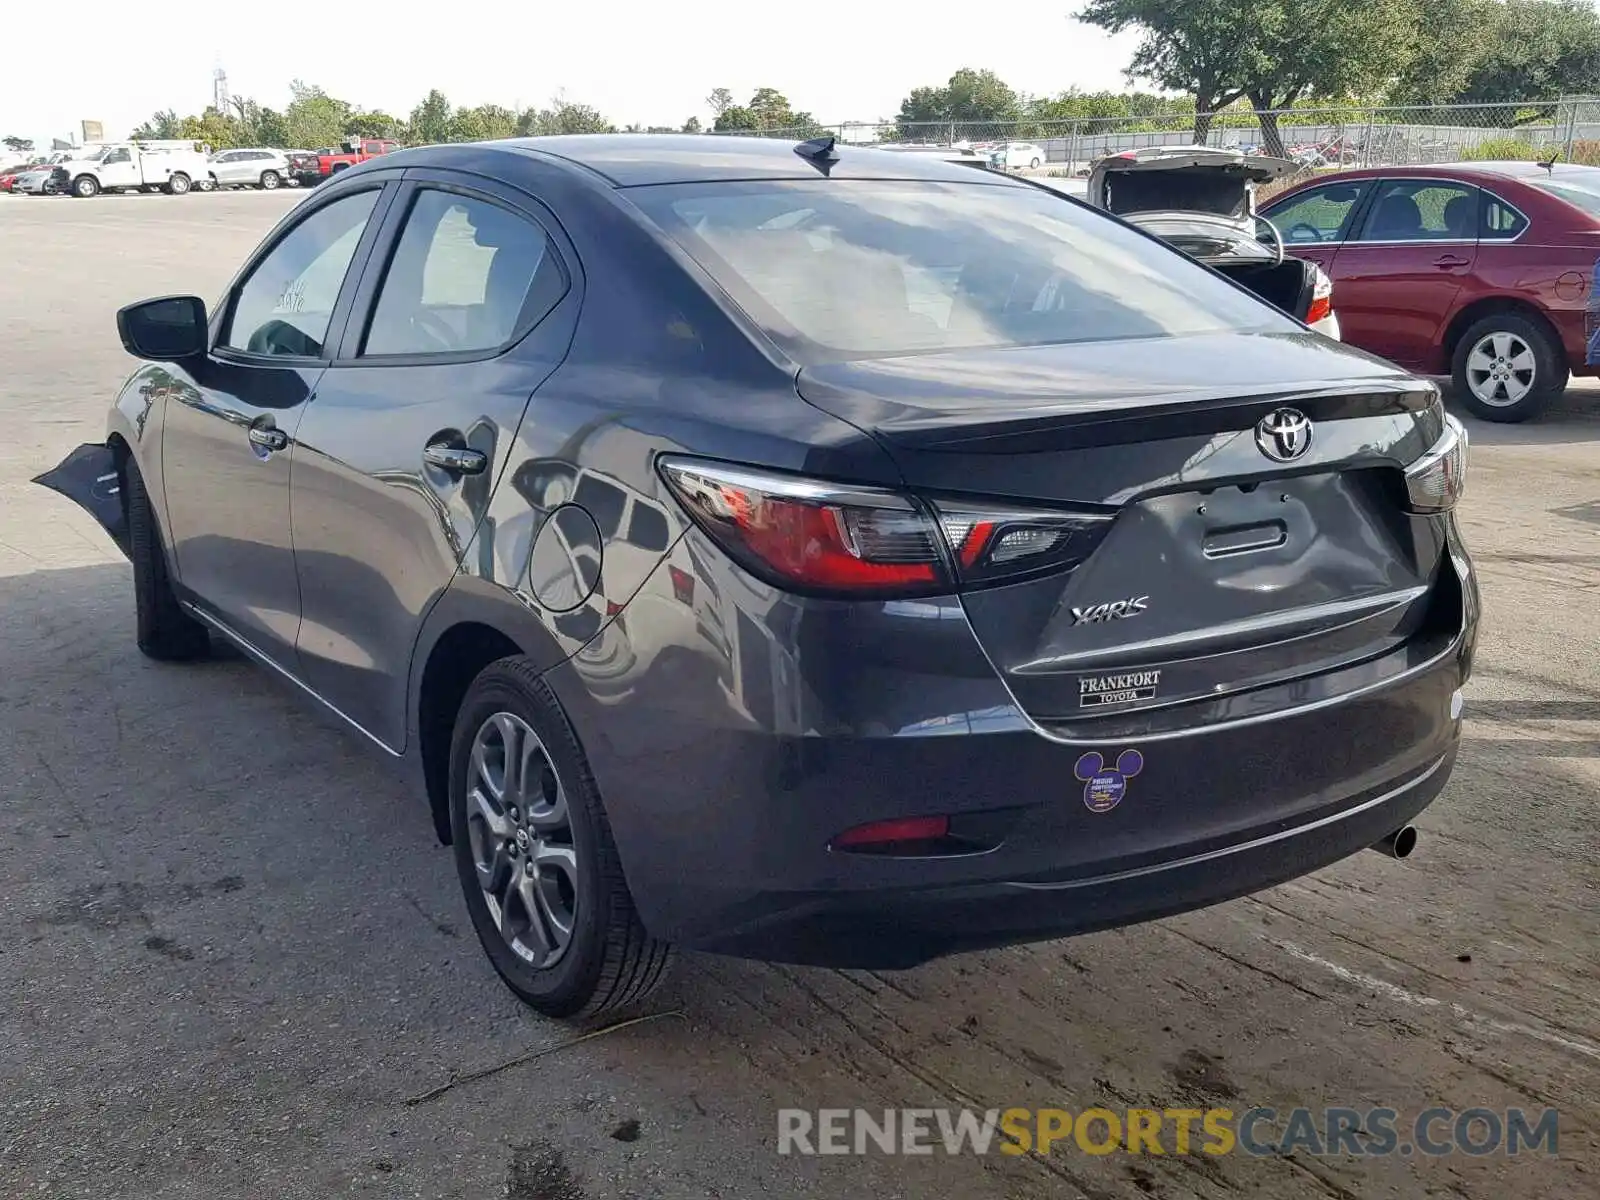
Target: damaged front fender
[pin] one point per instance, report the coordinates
(90, 479)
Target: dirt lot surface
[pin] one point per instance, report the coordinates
(236, 964)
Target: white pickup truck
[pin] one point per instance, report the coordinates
(131, 167)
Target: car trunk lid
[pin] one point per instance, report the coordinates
(1194, 179)
(1224, 570)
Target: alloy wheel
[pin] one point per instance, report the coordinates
(521, 838)
(1501, 369)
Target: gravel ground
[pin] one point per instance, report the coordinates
(235, 963)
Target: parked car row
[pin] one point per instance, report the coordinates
(180, 167)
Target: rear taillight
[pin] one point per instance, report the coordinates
(994, 544)
(1321, 297)
(1436, 480)
(836, 539)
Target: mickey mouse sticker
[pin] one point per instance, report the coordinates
(1103, 787)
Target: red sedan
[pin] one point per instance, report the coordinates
(1476, 270)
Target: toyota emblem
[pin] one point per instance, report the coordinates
(1284, 434)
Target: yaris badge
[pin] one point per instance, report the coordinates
(1284, 434)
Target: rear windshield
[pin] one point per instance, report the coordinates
(846, 269)
(1584, 193)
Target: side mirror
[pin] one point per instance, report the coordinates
(169, 329)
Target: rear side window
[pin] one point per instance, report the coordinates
(848, 269)
(1422, 210)
(1321, 214)
(1500, 220)
(465, 276)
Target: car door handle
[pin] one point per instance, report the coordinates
(268, 438)
(457, 460)
(1449, 260)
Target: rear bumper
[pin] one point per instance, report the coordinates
(897, 929)
(726, 774)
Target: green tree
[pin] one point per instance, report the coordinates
(1275, 52)
(373, 123)
(18, 145)
(1537, 50)
(970, 97)
(719, 101)
(1456, 38)
(563, 116)
(738, 119)
(1326, 48)
(161, 126)
(218, 130)
(1190, 46)
(692, 125)
(768, 111)
(259, 126)
(485, 123)
(313, 119)
(433, 120)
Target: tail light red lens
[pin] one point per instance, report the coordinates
(835, 539)
(804, 535)
(1321, 297)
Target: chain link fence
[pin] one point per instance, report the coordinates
(1317, 138)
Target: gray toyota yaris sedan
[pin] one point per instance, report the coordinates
(800, 552)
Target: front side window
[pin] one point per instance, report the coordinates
(848, 269)
(465, 276)
(1422, 210)
(1319, 215)
(117, 156)
(283, 308)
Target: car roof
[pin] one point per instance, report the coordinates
(1517, 169)
(636, 160)
(1472, 171)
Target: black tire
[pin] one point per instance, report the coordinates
(164, 630)
(1550, 371)
(610, 962)
(178, 184)
(85, 186)
(270, 181)
(1034, 164)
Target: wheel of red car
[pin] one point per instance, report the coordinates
(1508, 367)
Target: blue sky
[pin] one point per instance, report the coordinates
(636, 62)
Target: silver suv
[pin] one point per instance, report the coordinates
(262, 168)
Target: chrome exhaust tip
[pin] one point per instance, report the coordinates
(1400, 843)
